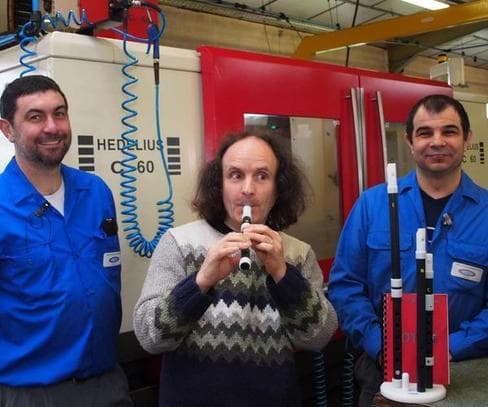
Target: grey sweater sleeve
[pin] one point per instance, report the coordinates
(170, 302)
(306, 314)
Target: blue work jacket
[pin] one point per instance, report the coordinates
(362, 268)
(60, 309)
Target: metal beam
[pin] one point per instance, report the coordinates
(404, 26)
(399, 55)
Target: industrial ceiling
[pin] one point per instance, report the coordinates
(463, 33)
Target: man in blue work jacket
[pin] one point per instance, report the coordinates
(438, 196)
(60, 307)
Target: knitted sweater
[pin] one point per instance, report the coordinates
(234, 345)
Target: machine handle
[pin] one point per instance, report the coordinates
(357, 99)
(381, 115)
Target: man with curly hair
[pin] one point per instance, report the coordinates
(228, 335)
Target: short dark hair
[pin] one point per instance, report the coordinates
(26, 85)
(437, 104)
(292, 188)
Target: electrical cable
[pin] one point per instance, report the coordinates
(348, 50)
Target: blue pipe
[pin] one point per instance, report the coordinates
(7, 39)
(128, 191)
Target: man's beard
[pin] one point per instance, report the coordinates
(46, 160)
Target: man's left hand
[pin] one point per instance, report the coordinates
(268, 246)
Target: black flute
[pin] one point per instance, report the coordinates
(420, 255)
(396, 278)
(429, 322)
(245, 261)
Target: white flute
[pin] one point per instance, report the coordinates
(245, 261)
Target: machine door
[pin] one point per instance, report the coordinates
(308, 105)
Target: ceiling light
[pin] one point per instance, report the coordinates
(428, 4)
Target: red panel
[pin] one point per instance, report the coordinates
(400, 92)
(138, 20)
(237, 82)
(96, 10)
(326, 265)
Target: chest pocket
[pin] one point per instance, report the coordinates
(105, 250)
(380, 241)
(105, 244)
(29, 271)
(92, 240)
(473, 256)
(379, 257)
(26, 248)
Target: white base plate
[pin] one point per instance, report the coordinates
(395, 392)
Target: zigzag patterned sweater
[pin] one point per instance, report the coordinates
(234, 345)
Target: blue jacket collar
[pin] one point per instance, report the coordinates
(467, 188)
(21, 188)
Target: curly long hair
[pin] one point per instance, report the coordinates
(292, 188)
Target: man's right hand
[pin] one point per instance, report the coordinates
(221, 259)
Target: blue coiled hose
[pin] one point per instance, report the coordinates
(319, 379)
(58, 18)
(320, 383)
(348, 378)
(132, 229)
(27, 53)
(26, 36)
(7, 39)
(134, 236)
